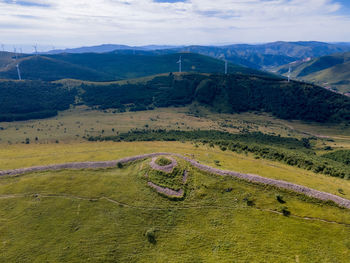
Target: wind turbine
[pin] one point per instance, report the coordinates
(17, 66)
(180, 64)
(226, 63)
(289, 71)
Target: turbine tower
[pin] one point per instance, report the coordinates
(180, 64)
(17, 66)
(289, 71)
(18, 72)
(3, 47)
(226, 63)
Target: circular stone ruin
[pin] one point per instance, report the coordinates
(167, 168)
(163, 168)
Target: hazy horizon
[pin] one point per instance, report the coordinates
(29, 48)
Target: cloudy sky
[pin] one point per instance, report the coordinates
(70, 23)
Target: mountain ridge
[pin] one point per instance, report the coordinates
(258, 56)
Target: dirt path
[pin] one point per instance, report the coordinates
(248, 177)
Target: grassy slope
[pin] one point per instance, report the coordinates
(338, 76)
(210, 225)
(332, 70)
(17, 156)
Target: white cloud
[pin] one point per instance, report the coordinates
(136, 22)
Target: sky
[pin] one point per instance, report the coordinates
(73, 23)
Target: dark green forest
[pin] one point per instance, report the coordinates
(25, 100)
(233, 93)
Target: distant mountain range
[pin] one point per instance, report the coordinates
(108, 48)
(260, 56)
(332, 71)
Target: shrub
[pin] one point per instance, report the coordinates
(279, 198)
(341, 191)
(217, 162)
(120, 165)
(249, 201)
(151, 235)
(285, 211)
(328, 148)
(223, 148)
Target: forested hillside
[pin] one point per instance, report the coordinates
(234, 93)
(231, 94)
(114, 66)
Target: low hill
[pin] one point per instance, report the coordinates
(131, 215)
(114, 66)
(129, 64)
(48, 69)
(331, 71)
(231, 94)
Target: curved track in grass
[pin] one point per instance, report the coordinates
(247, 177)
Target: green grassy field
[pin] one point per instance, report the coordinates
(103, 215)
